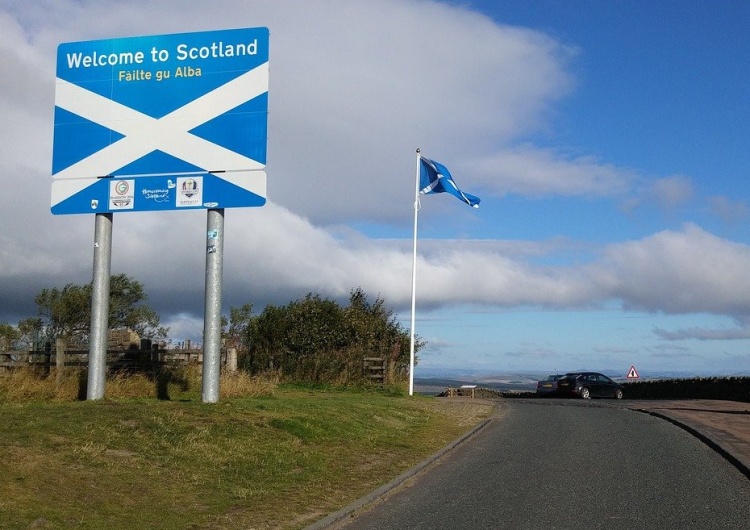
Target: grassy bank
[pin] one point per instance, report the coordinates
(280, 459)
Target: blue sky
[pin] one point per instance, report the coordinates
(606, 139)
(659, 92)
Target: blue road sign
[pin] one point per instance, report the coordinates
(188, 105)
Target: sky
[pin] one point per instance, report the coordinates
(608, 141)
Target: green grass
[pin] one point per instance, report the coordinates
(281, 460)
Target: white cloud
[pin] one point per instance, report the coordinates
(740, 331)
(354, 90)
(355, 87)
(687, 271)
(527, 170)
(666, 194)
(184, 327)
(729, 210)
(672, 191)
(699, 333)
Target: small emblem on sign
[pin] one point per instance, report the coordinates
(190, 191)
(189, 187)
(121, 195)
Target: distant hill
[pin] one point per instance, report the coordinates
(436, 385)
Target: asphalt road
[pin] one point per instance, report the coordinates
(561, 464)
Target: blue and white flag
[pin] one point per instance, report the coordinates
(435, 178)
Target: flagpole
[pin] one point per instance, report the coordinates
(414, 280)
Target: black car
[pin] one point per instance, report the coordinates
(588, 384)
(548, 387)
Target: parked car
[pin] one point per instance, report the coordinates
(589, 384)
(547, 387)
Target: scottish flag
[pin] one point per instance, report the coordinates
(435, 178)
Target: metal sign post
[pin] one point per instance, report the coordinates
(100, 306)
(212, 308)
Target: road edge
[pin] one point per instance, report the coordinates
(383, 490)
(706, 439)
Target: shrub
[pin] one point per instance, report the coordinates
(317, 340)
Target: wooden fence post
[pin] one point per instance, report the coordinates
(60, 347)
(232, 359)
(47, 358)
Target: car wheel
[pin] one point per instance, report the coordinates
(585, 394)
(618, 394)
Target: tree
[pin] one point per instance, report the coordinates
(25, 336)
(235, 329)
(315, 339)
(8, 336)
(375, 328)
(126, 308)
(30, 331)
(66, 313)
(265, 337)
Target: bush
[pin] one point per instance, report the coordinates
(728, 388)
(317, 340)
(184, 382)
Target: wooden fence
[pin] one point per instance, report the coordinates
(61, 357)
(375, 369)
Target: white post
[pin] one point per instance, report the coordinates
(414, 280)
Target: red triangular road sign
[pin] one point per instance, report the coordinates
(632, 374)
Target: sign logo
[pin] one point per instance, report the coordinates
(121, 196)
(189, 187)
(122, 187)
(191, 191)
(632, 373)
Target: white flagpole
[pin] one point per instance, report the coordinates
(414, 280)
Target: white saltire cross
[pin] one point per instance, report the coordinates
(170, 133)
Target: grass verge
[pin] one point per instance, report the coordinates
(281, 459)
